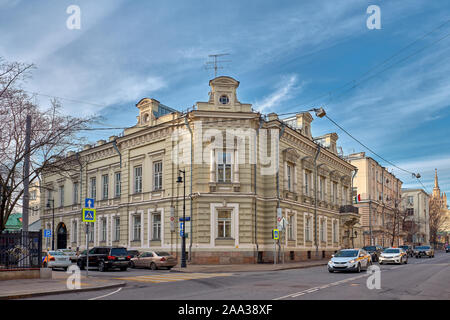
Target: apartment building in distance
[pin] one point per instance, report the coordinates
(415, 204)
(241, 170)
(381, 195)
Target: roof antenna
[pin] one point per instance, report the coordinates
(209, 65)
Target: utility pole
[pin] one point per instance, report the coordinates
(26, 173)
(213, 64)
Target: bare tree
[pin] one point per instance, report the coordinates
(437, 219)
(52, 135)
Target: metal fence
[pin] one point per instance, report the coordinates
(20, 250)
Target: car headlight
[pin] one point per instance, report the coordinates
(352, 261)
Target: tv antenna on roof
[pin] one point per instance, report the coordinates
(213, 64)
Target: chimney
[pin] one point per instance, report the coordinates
(304, 123)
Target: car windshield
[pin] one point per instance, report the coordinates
(56, 253)
(370, 248)
(346, 253)
(423, 248)
(162, 254)
(119, 252)
(392, 251)
(404, 247)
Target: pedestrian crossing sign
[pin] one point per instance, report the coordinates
(88, 215)
(275, 234)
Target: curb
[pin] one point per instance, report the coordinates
(269, 270)
(36, 294)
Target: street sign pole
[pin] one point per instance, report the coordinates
(87, 249)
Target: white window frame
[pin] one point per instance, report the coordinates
(291, 227)
(116, 228)
(74, 231)
(104, 228)
(105, 186)
(156, 227)
(137, 179)
(61, 196)
(117, 184)
(137, 231)
(335, 230)
(307, 182)
(157, 175)
(307, 227)
(91, 234)
(227, 221)
(227, 166)
(75, 192)
(93, 187)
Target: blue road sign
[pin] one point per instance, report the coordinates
(187, 219)
(182, 229)
(47, 233)
(89, 203)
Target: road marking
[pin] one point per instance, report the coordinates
(158, 278)
(105, 295)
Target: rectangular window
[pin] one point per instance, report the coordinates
(75, 193)
(116, 228)
(289, 174)
(224, 167)
(308, 229)
(291, 228)
(137, 227)
(104, 229)
(410, 200)
(322, 230)
(335, 185)
(138, 179)
(91, 232)
(224, 224)
(157, 175)
(335, 231)
(307, 180)
(156, 227)
(105, 182)
(322, 188)
(93, 188)
(118, 185)
(344, 195)
(61, 194)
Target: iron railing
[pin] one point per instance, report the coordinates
(20, 250)
(348, 209)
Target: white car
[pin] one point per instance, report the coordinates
(57, 259)
(349, 260)
(393, 255)
(71, 253)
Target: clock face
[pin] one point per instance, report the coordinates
(224, 99)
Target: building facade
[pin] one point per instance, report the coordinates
(380, 193)
(243, 173)
(415, 204)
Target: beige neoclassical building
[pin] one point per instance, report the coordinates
(230, 155)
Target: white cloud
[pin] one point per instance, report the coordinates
(286, 89)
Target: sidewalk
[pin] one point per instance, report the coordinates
(23, 288)
(249, 267)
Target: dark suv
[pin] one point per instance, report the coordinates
(374, 251)
(105, 258)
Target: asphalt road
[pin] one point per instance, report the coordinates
(419, 279)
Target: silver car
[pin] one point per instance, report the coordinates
(393, 255)
(57, 259)
(71, 253)
(349, 260)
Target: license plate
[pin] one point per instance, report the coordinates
(121, 258)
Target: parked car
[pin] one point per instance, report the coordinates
(69, 252)
(426, 251)
(154, 260)
(55, 259)
(447, 248)
(409, 250)
(374, 251)
(394, 255)
(349, 260)
(105, 258)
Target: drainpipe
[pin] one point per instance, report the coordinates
(254, 182)
(315, 200)
(190, 238)
(353, 177)
(278, 173)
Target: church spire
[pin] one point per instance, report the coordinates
(436, 185)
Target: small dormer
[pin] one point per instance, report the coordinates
(328, 141)
(146, 108)
(304, 123)
(222, 96)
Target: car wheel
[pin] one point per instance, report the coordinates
(153, 266)
(381, 262)
(80, 264)
(330, 270)
(358, 269)
(101, 266)
(132, 265)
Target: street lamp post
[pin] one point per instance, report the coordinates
(183, 238)
(53, 222)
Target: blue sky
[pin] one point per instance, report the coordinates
(284, 53)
